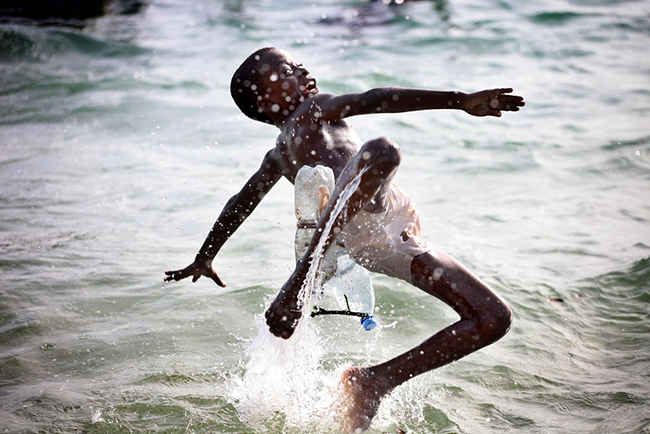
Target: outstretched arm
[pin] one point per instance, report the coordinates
(398, 100)
(237, 209)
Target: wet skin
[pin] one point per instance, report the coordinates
(317, 122)
(313, 131)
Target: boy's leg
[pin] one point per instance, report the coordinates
(378, 159)
(484, 318)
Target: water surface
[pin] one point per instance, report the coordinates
(120, 145)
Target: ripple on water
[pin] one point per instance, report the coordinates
(27, 43)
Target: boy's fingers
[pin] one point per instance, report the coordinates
(515, 100)
(195, 278)
(506, 90)
(174, 275)
(217, 280)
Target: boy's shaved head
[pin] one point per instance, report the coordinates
(246, 83)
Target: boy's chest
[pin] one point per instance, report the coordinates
(328, 144)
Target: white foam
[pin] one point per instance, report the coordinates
(284, 379)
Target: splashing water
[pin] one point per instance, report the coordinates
(283, 384)
(83, 182)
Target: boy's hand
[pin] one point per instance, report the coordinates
(197, 269)
(283, 314)
(491, 102)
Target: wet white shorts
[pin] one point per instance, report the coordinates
(388, 241)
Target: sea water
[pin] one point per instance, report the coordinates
(119, 145)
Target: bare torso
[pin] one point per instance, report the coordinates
(307, 140)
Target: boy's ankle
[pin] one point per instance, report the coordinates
(374, 384)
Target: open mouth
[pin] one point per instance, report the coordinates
(310, 87)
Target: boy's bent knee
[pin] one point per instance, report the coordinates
(495, 321)
(383, 151)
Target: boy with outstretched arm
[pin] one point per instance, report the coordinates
(379, 225)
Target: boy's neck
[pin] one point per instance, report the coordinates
(280, 120)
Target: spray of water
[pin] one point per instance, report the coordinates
(282, 383)
(288, 385)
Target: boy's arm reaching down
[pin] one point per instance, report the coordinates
(236, 210)
(398, 100)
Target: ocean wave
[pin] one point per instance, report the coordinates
(25, 43)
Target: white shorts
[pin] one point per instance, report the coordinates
(388, 241)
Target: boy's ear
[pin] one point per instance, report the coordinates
(264, 104)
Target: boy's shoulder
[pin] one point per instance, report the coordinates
(314, 103)
(311, 109)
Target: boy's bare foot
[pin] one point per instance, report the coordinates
(357, 400)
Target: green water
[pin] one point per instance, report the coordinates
(119, 145)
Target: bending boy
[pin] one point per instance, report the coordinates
(380, 224)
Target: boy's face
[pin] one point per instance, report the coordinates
(286, 83)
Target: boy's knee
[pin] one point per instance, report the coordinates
(383, 150)
(495, 321)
